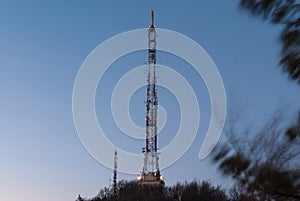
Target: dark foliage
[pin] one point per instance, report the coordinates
(133, 191)
(287, 14)
(265, 167)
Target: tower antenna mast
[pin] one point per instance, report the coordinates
(115, 172)
(151, 173)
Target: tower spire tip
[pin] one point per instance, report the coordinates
(152, 17)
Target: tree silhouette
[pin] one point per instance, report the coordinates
(287, 14)
(266, 166)
(79, 198)
(133, 191)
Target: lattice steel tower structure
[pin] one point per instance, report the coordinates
(151, 173)
(115, 172)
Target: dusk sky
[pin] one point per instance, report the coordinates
(42, 47)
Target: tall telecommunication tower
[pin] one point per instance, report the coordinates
(151, 173)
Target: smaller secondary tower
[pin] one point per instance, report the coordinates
(151, 173)
(115, 172)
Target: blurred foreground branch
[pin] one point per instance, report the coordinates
(287, 14)
(264, 164)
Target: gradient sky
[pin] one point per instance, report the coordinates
(42, 46)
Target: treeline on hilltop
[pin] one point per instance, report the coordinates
(133, 191)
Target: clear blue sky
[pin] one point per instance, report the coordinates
(42, 46)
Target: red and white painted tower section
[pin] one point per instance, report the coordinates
(151, 173)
